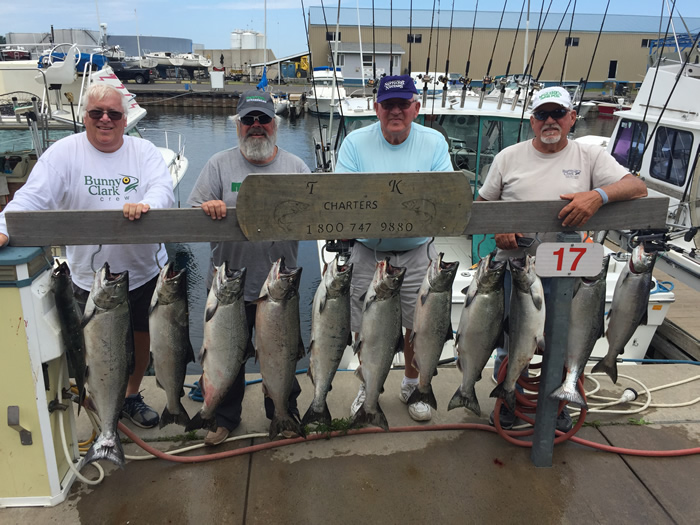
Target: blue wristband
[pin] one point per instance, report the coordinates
(603, 195)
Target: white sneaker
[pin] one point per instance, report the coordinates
(418, 411)
(358, 400)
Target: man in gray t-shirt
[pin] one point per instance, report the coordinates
(215, 190)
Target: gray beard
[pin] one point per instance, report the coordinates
(258, 149)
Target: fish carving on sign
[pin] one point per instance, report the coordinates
(287, 209)
(425, 210)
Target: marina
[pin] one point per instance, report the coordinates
(633, 450)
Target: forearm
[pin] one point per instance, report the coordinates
(627, 188)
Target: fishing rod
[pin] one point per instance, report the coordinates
(437, 50)
(590, 66)
(515, 38)
(319, 149)
(410, 35)
(566, 47)
(551, 45)
(446, 78)
(426, 75)
(466, 81)
(487, 78)
(528, 69)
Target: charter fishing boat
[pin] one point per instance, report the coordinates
(39, 105)
(659, 138)
(327, 91)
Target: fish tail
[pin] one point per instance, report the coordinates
(468, 401)
(106, 448)
(566, 394)
(318, 418)
(285, 423)
(501, 393)
(365, 418)
(181, 419)
(198, 422)
(425, 397)
(609, 366)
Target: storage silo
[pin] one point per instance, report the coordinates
(236, 39)
(248, 40)
(260, 41)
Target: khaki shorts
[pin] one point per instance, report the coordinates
(364, 261)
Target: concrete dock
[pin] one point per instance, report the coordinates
(458, 477)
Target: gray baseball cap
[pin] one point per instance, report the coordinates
(256, 101)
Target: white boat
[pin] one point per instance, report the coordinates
(28, 127)
(166, 58)
(659, 137)
(476, 131)
(194, 60)
(326, 91)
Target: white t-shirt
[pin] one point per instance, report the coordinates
(73, 175)
(521, 173)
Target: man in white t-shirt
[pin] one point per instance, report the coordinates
(551, 167)
(103, 169)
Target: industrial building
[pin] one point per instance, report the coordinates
(415, 37)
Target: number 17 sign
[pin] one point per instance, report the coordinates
(565, 259)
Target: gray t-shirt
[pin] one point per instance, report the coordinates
(220, 179)
(521, 173)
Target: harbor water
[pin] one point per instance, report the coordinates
(210, 130)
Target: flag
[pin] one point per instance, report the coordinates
(263, 81)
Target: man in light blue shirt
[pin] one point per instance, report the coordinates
(394, 144)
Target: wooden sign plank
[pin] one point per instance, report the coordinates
(45, 228)
(354, 205)
(541, 216)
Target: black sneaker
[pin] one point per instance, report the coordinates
(139, 412)
(564, 423)
(506, 417)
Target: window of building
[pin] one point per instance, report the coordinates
(645, 42)
(629, 143)
(366, 60)
(612, 69)
(571, 42)
(414, 38)
(395, 61)
(330, 36)
(671, 155)
(340, 61)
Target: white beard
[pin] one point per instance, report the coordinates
(553, 139)
(258, 148)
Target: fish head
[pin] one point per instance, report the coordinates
(337, 278)
(641, 261)
(442, 274)
(60, 277)
(490, 273)
(109, 290)
(523, 271)
(387, 279)
(282, 282)
(229, 284)
(171, 285)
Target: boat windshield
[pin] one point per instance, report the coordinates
(671, 155)
(629, 143)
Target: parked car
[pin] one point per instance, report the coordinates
(140, 75)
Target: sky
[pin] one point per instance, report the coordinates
(210, 22)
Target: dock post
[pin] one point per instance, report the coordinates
(555, 339)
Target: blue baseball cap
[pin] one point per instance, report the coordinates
(397, 86)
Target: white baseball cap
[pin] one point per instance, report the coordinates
(552, 95)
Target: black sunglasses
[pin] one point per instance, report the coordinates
(249, 120)
(96, 114)
(388, 105)
(556, 114)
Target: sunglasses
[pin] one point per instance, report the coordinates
(556, 114)
(249, 120)
(96, 114)
(388, 105)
